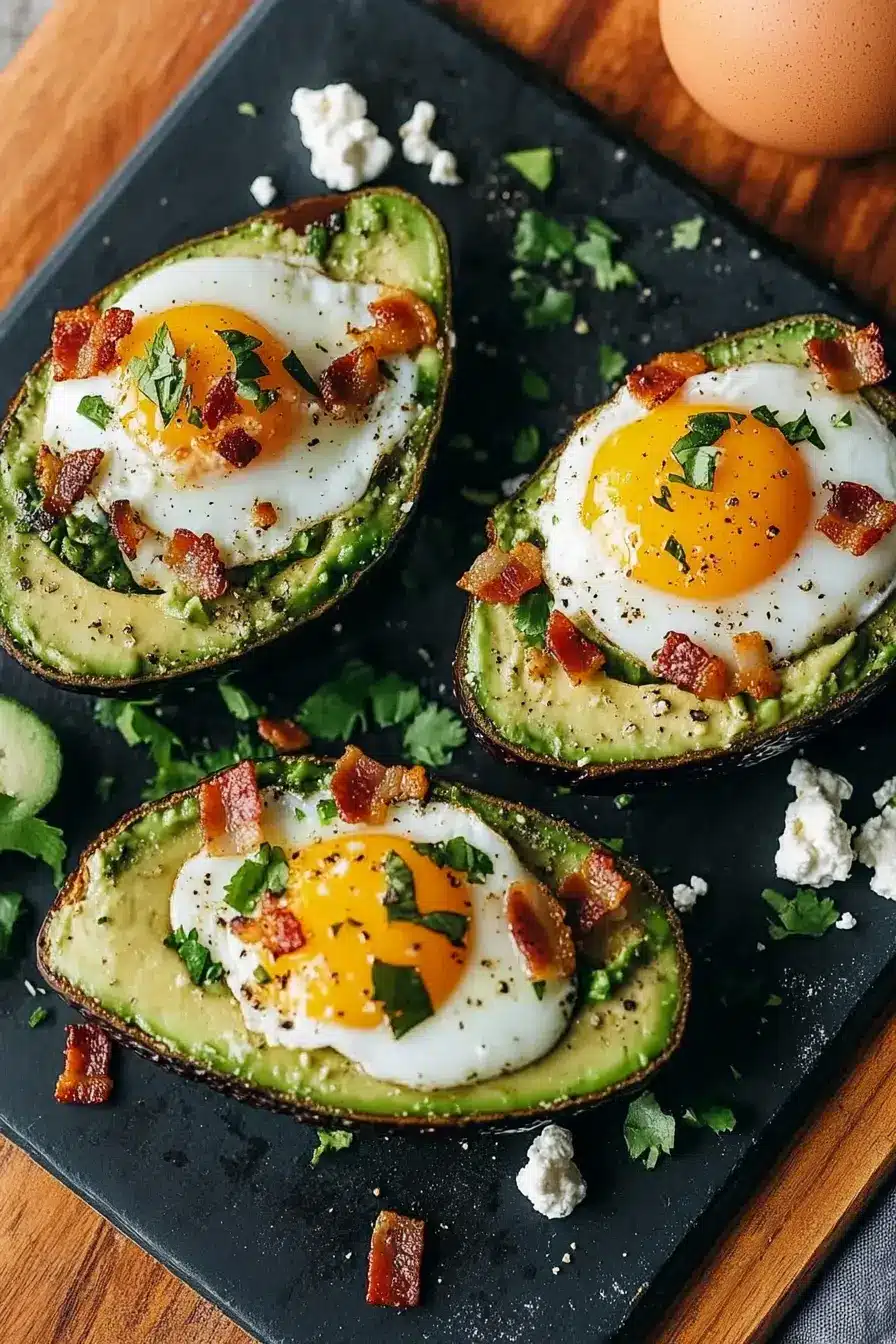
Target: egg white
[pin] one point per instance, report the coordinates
(820, 590)
(324, 470)
(482, 1030)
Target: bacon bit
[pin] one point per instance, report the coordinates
(46, 470)
(230, 810)
(855, 359)
(687, 665)
(395, 1261)
(238, 447)
(264, 515)
(283, 734)
(363, 789)
(856, 517)
(753, 667)
(85, 341)
(579, 657)
(350, 381)
(596, 887)
(503, 576)
(653, 383)
(538, 664)
(220, 401)
(197, 563)
(85, 1079)
(275, 927)
(127, 527)
(401, 322)
(540, 932)
(76, 471)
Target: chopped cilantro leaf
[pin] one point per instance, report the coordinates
(267, 871)
(531, 613)
(539, 239)
(794, 431)
(96, 410)
(260, 974)
(326, 809)
(648, 1130)
(535, 386)
(393, 700)
(842, 421)
(694, 451)
(39, 1015)
(806, 913)
(535, 165)
(401, 906)
(526, 446)
(539, 986)
(615, 843)
(31, 836)
(337, 708)
(460, 855)
(610, 363)
(432, 735)
(197, 959)
(247, 109)
(297, 371)
(160, 373)
(249, 367)
(663, 498)
(12, 907)
(238, 701)
(624, 799)
(330, 1140)
(720, 1119)
(596, 251)
(401, 991)
(686, 234)
(676, 550)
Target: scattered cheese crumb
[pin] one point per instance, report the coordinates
(30, 988)
(346, 147)
(443, 171)
(684, 894)
(815, 847)
(846, 921)
(754, 254)
(418, 146)
(885, 794)
(876, 846)
(550, 1180)
(580, 326)
(263, 189)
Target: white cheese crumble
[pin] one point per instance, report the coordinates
(418, 147)
(346, 147)
(885, 794)
(684, 894)
(876, 848)
(550, 1180)
(846, 921)
(263, 189)
(815, 847)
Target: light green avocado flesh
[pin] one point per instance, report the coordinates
(611, 719)
(108, 946)
(76, 627)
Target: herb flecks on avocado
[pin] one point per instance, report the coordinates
(197, 959)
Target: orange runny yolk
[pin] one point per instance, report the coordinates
(734, 536)
(336, 888)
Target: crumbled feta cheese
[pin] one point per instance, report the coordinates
(263, 189)
(846, 921)
(684, 894)
(815, 847)
(876, 848)
(885, 794)
(418, 146)
(550, 1179)
(443, 171)
(346, 148)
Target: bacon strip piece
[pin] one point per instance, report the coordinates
(197, 563)
(503, 576)
(351, 381)
(653, 383)
(595, 888)
(275, 927)
(753, 671)
(85, 341)
(689, 666)
(579, 657)
(395, 1261)
(402, 322)
(238, 447)
(127, 527)
(76, 471)
(230, 810)
(283, 734)
(220, 401)
(363, 789)
(85, 1079)
(539, 930)
(856, 517)
(855, 359)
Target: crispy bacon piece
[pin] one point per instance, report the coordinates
(402, 322)
(395, 1260)
(579, 657)
(856, 517)
(542, 935)
(76, 471)
(283, 734)
(85, 341)
(538, 664)
(351, 381)
(653, 383)
(230, 810)
(264, 515)
(197, 563)
(503, 576)
(127, 527)
(753, 671)
(85, 1079)
(46, 470)
(855, 359)
(220, 401)
(363, 789)
(595, 888)
(687, 665)
(238, 447)
(275, 927)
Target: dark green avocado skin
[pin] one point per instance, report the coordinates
(861, 678)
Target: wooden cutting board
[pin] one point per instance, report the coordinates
(86, 87)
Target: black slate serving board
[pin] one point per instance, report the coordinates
(224, 1194)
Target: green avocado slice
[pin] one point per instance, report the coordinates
(69, 609)
(102, 947)
(611, 731)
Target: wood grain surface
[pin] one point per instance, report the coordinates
(89, 83)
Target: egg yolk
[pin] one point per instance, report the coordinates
(337, 889)
(705, 544)
(194, 331)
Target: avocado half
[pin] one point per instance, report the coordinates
(101, 947)
(598, 736)
(69, 610)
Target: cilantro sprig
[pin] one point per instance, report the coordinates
(267, 871)
(649, 1130)
(806, 914)
(432, 737)
(458, 854)
(686, 234)
(160, 373)
(695, 452)
(32, 836)
(330, 1141)
(12, 907)
(197, 959)
(596, 250)
(720, 1119)
(794, 431)
(249, 367)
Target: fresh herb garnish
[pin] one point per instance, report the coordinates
(338, 707)
(535, 165)
(662, 499)
(267, 871)
(394, 700)
(720, 1119)
(247, 109)
(615, 843)
(842, 421)
(535, 386)
(297, 371)
(694, 450)
(160, 373)
(526, 446)
(539, 987)
(596, 251)
(794, 431)
(432, 735)
(249, 367)
(330, 1140)
(610, 363)
(539, 239)
(194, 417)
(624, 799)
(686, 234)
(531, 614)
(806, 913)
(401, 906)
(676, 550)
(401, 991)
(326, 809)
(460, 855)
(197, 959)
(97, 410)
(12, 907)
(261, 975)
(544, 305)
(39, 1015)
(648, 1130)
(239, 702)
(31, 836)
